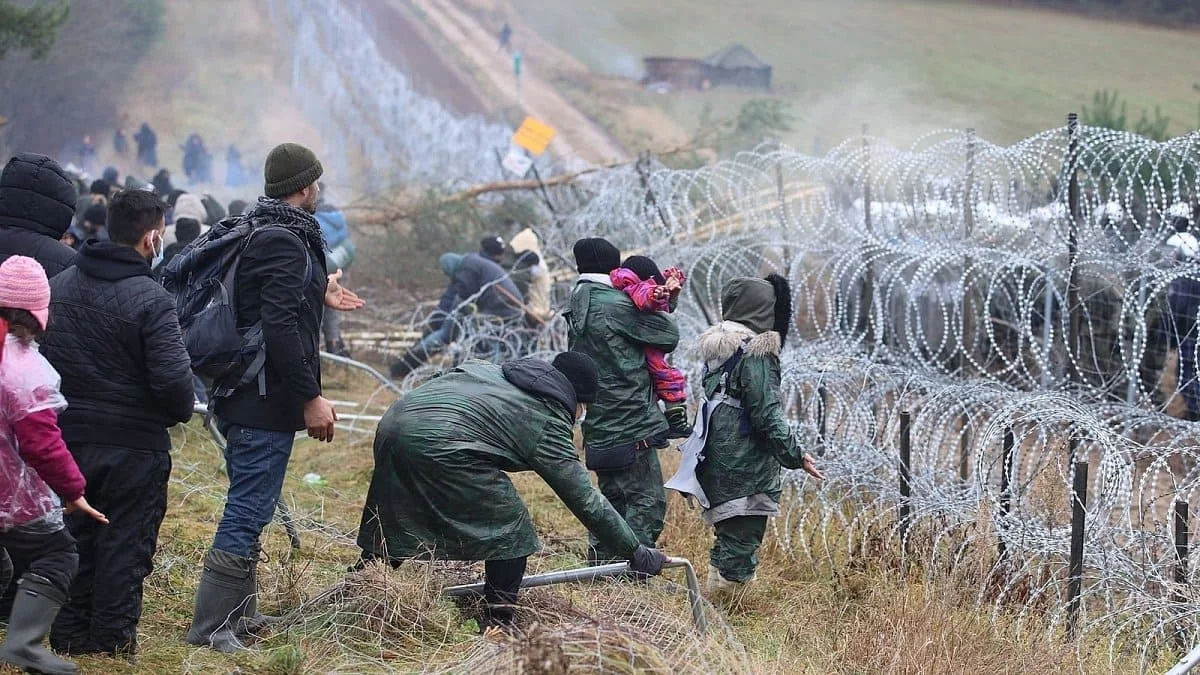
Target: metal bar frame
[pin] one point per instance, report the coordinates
(598, 572)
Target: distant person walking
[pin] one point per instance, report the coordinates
(506, 37)
(147, 146)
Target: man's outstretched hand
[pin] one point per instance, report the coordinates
(339, 297)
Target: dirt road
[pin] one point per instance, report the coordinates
(578, 136)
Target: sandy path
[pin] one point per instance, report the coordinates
(578, 136)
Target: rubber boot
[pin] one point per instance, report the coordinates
(254, 622)
(677, 417)
(34, 609)
(722, 591)
(221, 600)
(405, 365)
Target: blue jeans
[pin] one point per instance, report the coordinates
(434, 342)
(256, 460)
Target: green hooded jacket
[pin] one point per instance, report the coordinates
(746, 446)
(603, 323)
(441, 454)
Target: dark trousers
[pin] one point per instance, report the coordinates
(48, 554)
(130, 487)
(501, 586)
(638, 495)
(735, 550)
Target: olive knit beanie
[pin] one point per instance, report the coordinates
(290, 168)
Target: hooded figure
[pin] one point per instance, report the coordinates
(747, 439)
(625, 426)
(37, 205)
(440, 489)
(187, 205)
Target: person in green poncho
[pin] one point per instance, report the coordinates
(744, 447)
(625, 426)
(440, 491)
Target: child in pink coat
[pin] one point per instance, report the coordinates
(36, 471)
(654, 291)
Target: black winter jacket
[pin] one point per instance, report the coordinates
(115, 340)
(271, 285)
(37, 204)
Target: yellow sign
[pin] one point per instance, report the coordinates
(534, 135)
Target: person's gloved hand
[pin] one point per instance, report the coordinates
(646, 560)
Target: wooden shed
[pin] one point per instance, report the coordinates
(733, 66)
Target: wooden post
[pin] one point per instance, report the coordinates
(867, 302)
(968, 317)
(1075, 218)
(1075, 568)
(1006, 464)
(905, 475)
(1181, 563)
(964, 449)
(822, 417)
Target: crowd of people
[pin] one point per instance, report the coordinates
(95, 369)
(197, 159)
(99, 362)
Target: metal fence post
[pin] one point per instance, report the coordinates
(964, 449)
(905, 475)
(1075, 570)
(1181, 563)
(1006, 464)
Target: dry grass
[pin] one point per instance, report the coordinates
(869, 616)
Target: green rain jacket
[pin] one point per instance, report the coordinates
(603, 323)
(441, 454)
(745, 448)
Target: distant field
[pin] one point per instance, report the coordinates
(905, 67)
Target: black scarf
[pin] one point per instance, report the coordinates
(267, 211)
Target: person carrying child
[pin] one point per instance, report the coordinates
(36, 471)
(655, 291)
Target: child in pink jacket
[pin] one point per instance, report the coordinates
(36, 471)
(654, 291)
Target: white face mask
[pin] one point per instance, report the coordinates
(159, 252)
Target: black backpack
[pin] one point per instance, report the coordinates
(203, 280)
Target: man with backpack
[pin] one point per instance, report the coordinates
(279, 291)
(115, 339)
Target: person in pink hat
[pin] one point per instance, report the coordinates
(36, 472)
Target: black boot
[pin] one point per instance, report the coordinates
(677, 417)
(405, 365)
(221, 600)
(34, 609)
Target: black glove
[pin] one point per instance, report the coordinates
(646, 560)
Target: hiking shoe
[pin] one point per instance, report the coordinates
(678, 421)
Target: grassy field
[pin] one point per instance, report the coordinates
(799, 618)
(904, 67)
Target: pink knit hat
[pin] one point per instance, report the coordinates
(23, 285)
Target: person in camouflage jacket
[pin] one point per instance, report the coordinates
(745, 447)
(624, 425)
(440, 491)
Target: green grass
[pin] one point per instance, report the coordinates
(904, 67)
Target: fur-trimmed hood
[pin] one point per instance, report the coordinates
(720, 342)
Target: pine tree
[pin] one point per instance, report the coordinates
(30, 28)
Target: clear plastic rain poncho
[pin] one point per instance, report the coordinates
(28, 384)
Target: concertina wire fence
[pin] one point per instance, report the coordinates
(984, 290)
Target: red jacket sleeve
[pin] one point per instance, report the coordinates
(40, 444)
(642, 293)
